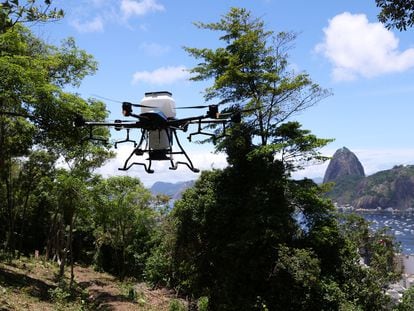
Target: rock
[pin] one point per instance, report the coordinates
(344, 163)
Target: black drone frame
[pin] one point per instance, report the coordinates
(170, 128)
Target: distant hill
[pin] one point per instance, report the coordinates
(392, 188)
(173, 190)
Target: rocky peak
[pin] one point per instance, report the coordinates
(343, 163)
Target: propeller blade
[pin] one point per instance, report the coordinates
(225, 101)
(193, 107)
(106, 98)
(139, 105)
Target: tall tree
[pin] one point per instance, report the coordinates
(248, 237)
(36, 112)
(125, 222)
(252, 70)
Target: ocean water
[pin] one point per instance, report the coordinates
(400, 224)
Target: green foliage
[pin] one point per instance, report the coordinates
(247, 237)
(228, 228)
(41, 205)
(295, 146)
(60, 297)
(202, 304)
(158, 267)
(14, 11)
(396, 13)
(407, 302)
(124, 225)
(252, 70)
(176, 305)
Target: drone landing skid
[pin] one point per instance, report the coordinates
(158, 155)
(127, 139)
(147, 168)
(190, 166)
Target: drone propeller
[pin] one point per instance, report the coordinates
(126, 106)
(127, 109)
(204, 106)
(193, 107)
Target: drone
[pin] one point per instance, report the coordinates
(158, 125)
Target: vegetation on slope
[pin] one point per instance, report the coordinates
(32, 284)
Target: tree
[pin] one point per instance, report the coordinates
(230, 227)
(37, 114)
(248, 237)
(13, 12)
(124, 225)
(396, 13)
(252, 70)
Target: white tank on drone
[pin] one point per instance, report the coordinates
(161, 101)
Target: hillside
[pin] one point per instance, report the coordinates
(392, 188)
(173, 190)
(29, 284)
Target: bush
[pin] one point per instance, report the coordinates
(176, 305)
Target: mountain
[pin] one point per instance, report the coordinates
(393, 188)
(344, 163)
(173, 190)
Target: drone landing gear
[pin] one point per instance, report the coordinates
(158, 154)
(125, 140)
(138, 152)
(189, 164)
(214, 137)
(95, 138)
(147, 168)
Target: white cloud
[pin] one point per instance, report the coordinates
(109, 12)
(95, 25)
(358, 48)
(163, 75)
(132, 7)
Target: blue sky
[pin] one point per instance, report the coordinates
(370, 70)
